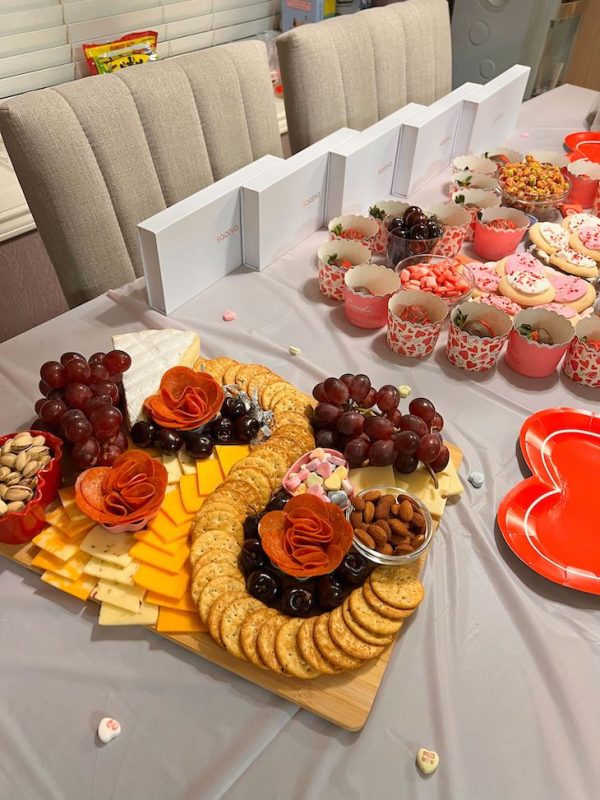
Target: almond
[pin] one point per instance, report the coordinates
(403, 549)
(383, 523)
(418, 540)
(395, 509)
(398, 527)
(358, 503)
(371, 496)
(396, 540)
(387, 549)
(406, 511)
(382, 511)
(377, 534)
(356, 519)
(369, 512)
(364, 537)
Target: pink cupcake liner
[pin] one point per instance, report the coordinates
(396, 207)
(472, 352)
(582, 362)
(471, 163)
(365, 225)
(411, 339)
(493, 244)
(369, 310)
(331, 277)
(596, 204)
(538, 360)
(585, 182)
(474, 200)
(456, 221)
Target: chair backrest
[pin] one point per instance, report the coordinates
(354, 70)
(97, 156)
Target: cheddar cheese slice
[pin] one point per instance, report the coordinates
(58, 519)
(167, 530)
(67, 497)
(80, 588)
(191, 499)
(172, 620)
(230, 454)
(151, 538)
(72, 569)
(185, 603)
(367, 477)
(147, 554)
(53, 541)
(157, 580)
(209, 475)
(112, 615)
(173, 508)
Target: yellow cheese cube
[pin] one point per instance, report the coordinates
(230, 454)
(80, 588)
(147, 554)
(157, 580)
(172, 620)
(188, 486)
(209, 475)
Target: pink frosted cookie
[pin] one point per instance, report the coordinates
(548, 236)
(574, 221)
(485, 276)
(503, 303)
(520, 262)
(574, 263)
(571, 290)
(527, 288)
(586, 240)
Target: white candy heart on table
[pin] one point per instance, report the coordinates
(427, 760)
(108, 729)
(476, 479)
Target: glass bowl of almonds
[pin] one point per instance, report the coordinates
(391, 526)
(30, 473)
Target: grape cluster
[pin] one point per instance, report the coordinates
(346, 419)
(235, 423)
(80, 405)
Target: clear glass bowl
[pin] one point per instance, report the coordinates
(540, 208)
(398, 247)
(395, 561)
(430, 260)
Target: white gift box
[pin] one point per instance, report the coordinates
(286, 204)
(427, 142)
(361, 168)
(195, 242)
(490, 114)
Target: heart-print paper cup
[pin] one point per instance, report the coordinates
(476, 353)
(474, 200)
(379, 211)
(484, 166)
(473, 180)
(585, 182)
(367, 294)
(354, 228)
(596, 205)
(414, 339)
(331, 276)
(531, 358)
(582, 362)
(491, 241)
(455, 221)
(503, 155)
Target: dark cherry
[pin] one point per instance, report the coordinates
(297, 601)
(416, 218)
(264, 585)
(252, 556)
(233, 408)
(330, 592)
(168, 440)
(395, 222)
(278, 502)
(222, 430)
(323, 438)
(246, 428)
(251, 526)
(142, 433)
(198, 445)
(354, 568)
(411, 210)
(401, 231)
(419, 231)
(434, 229)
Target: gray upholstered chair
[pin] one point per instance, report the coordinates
(354, 70)
(99, 155)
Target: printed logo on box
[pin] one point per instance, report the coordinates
(299, 5)
(445, 141)
(311, 199)
(226, 234)
(384, 168)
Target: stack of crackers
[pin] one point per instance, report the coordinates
(343, 639)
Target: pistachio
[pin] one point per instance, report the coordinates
(16, 505)
(44, 461)
(38, 441)
(3, 507)
(22, 460)
(4, 472)
(22, 441)
(19, 493)
(13, 478)
(8, 460)
(38, 450)
(3, 490)
(7, 447)
(31, 468)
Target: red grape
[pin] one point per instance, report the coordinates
(421, 407)
(52, 411)
(106, 422)
(381, 453)
(108, 453)
(97, 358)
(43, 387)
(44, 427)
(410, 422)
(85, 454)
(66, 357)
(326, 414)
(78, 430)
(53, 373)
(370, 399)
(441, 462)
(350, 423)
(429, 447)
(388, 397)
(325, 438)
(96, 401)
(360, 388)
(437, 423)
(39, 403)
(356, 451)
(77, 371)
(72, 413)
(98, 373)
(117, 361)
(378, 428)
(406, 463)
(56, 394)
(319, 393)
(336, 391)
(406, 442)
(347, 378)
(76, 394)
(106, 387)
(394, 417)
(116, 377)
(120, 441)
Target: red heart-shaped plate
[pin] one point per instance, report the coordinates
(550, 521)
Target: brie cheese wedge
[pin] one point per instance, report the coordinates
(152, 354)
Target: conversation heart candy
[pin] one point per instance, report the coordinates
(312, 465)
(337, 461)
(317, 491)
(292, 483)
(229, 316)
(303, 473)
(319, 453)
(334, 481)
(108, 729)
(476, 479)
(339, 498)
(300, 490)
(324, 469)
(314, 480)
(343, 472)
(427, 760)
(404, 390)
(347, 486)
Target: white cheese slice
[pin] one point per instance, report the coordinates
(112, 615)
(107, 546)
(368, 477)
(129, 598)
(187, 463)
(173, 467)
(111, 572)
(152, 354)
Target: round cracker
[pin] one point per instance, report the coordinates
(217, 609)
(216, 554)
(262, 463)
(369, 619)
(362, 633)
(396, 587)
(258, 479)
(219, 521)
(347, 641)
(232, 620)
(310, 653)
(229, 374)
(383, 608)
(206, 573)
(288, 652)
(265, 642)
(214, 503)
(270, 390)
(206, 540)
(256, 382)
(329, 649)
(213, 589)
(249, 633)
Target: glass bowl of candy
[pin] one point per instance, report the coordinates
(406, 530)
(413, 233)
(533, 187)
(447, 278)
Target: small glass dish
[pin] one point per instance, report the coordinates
(429, 260)
(399, 247)
(540, 208)
(395, 561)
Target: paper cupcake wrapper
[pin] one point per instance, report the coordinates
(583, 190)
(492, 244)
(596, 205)
(456, 221)
(369, 311)
(365, 225)
(472, 180)
(582, 362)
(479, 199)
(484, 166)
(472, 352)
(331, 280)
(331, 277)
(407, 338)
(530, 358)
(397, 207)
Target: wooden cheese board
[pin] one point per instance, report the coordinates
(345, 699)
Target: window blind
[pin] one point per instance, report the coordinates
(40, 40)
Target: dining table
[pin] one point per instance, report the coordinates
(498, 671)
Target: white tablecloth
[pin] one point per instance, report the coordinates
(498, 671)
